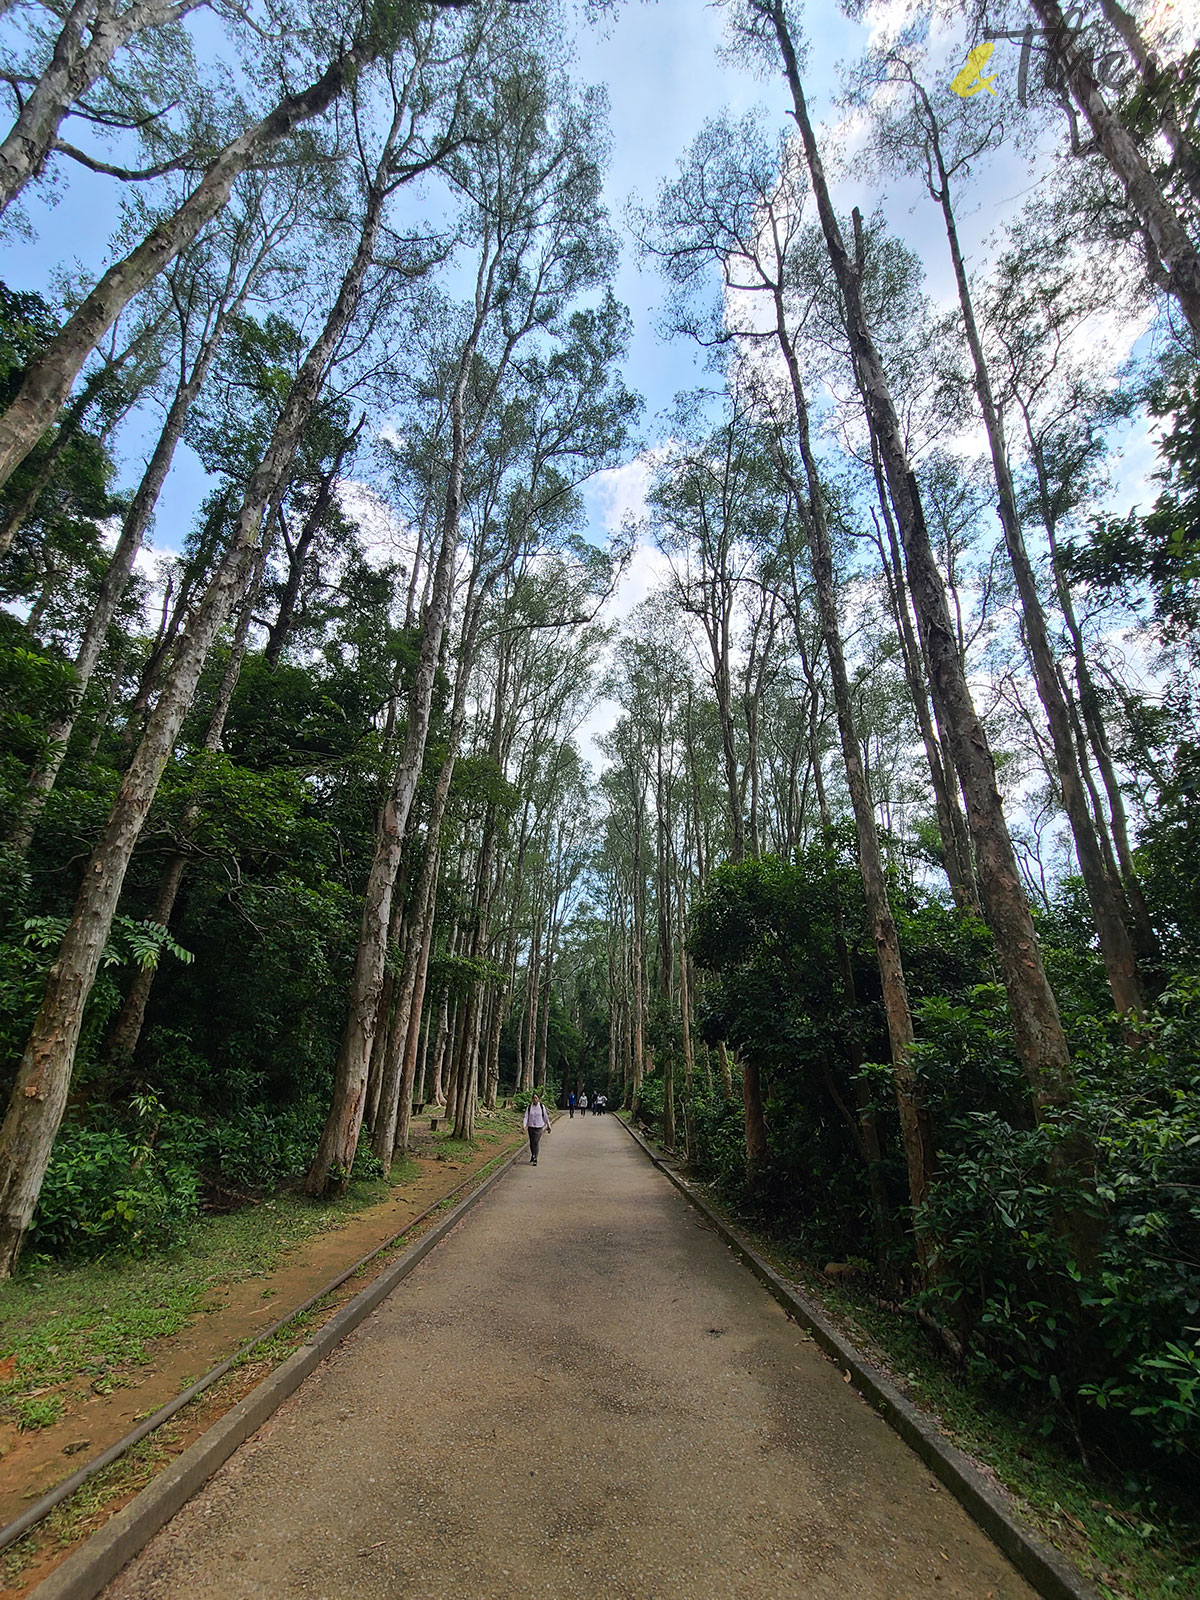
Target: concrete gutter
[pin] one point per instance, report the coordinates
(1038, 1562)
(84, 1574)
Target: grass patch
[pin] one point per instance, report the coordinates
(83, 1511)
(89, 1326)
(489, 1128)
(447, 1148)
(33, 1413)
(221, 1250)
(92, 1324)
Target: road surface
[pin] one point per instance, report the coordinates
(580, 1392)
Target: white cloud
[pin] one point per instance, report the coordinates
(385, 538)
(618, 496)
(620, 492)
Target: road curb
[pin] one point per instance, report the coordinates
(84, 1574)
(1038, 1562)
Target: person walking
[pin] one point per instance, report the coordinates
(583, 1105)
(571, 1104)
(536, 1123)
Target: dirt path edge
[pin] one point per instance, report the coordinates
(84, 1574)
(1038, 1562)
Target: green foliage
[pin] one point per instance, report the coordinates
(1159, 548)
(139, 943)
(27, 324)
(23, 969)
(777, 935)
(105, 1190)
(1169, 856)
(1073, 1286)
(256, 1149)
(35, 1413)
(1110, 1336)
(720, 1141)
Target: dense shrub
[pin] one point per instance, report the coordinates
(1078, 1289)
(107, 1191)
(719, 1130)
(257, 1149)
(1073, 1283)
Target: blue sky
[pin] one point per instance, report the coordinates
(665, 74)
(660, 63)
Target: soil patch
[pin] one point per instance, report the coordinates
(230, 1315)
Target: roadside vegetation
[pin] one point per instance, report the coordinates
(877, 892)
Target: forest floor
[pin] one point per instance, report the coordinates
(87, 1351)
(1121, 1532)
(580, 1393)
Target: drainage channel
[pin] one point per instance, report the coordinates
(42, 1508)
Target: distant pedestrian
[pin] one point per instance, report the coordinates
(536, 1123)
(601, 1104)
(571, 1104)
(583, 1105)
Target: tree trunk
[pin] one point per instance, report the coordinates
(755, 1119)
(437, 1092)
(491, 1090)
(919, 1150)
(1037, 1027)
(419, 1095)
(726, 1069)
(539, 1065)
(1175, 261)
(1146, 940)
(298, 553)
(1116, 948)
(952, 827)
(385, 1136)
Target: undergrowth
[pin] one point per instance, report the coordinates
(93, 1323)
(1121, 1529)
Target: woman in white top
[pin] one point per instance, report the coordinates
(583, 1105)
(536, 1123)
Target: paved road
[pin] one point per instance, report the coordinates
(580, 1392)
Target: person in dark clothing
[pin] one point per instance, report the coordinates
(571, 1102)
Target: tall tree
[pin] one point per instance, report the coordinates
(1037, 1025)
(534, 219)
(43, 1079)
(947, 149)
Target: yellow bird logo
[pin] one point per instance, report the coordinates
(971, 80)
